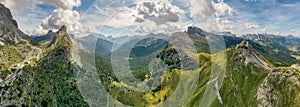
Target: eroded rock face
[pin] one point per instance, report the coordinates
(1, 33)
(280, 88)
(296, 66)
(61, 45)
(9, 31)
(246, 54)
(5, 14)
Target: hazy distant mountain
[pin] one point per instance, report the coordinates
(261, 70)
(289, 41)
(96, 44)
(225, 33)
(247, 70)
(107, 38)
(49, 36)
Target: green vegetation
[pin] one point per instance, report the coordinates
(10, 55)
(44, 74)
(277, 54)
(127, 96)
(48, 81)
(280, 88)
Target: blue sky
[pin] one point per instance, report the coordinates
(133, 17)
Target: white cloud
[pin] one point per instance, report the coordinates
(123, 17)
(159, 16)
(151, 27)
(263, 30)
(201, 8)
(63, 15)
(65, 4)
(160, 12)
(225, 21)
(225, 24)
(17, 5)
(222, 9)
(293, 30)
(209, 8)
(252, 26)
(59, 17)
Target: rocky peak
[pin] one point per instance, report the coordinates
(61, 38)
(61, 46)
(244, 45)
(9, 32)
(245, 53)
(63, 29)
(170, 57)
(280, 84)
(5, 14)
(196, 31)
(50, 31)
(296, 66)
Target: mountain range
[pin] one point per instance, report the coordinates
(260, 70)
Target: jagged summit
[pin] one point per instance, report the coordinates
(63, 29)
(6, 14)
(61, 46)
(196, 31)
(9, 32)
(61, 38)
(244, 45)
(289, 41)
(245, 53)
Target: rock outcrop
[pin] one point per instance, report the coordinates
(9, 32)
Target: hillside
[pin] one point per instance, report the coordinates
(36, 74)
(9, 32)
(246, 81)
(46, 81)
(182, 69)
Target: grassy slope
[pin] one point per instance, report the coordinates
(49, 83)
(239, 86)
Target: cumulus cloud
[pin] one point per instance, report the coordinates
(222, 9)
(121, 20)
(65, 4)
(209, 8)
(160, 12)
(225, 24)
(201, 8)
(63, 15)
(157, 16)
(122, 17)
(151, 27)
(60, 17)
(17, 5)
(252, 26)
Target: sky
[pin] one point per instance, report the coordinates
(140, 17)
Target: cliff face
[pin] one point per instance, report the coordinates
(61, 46)
(6, 15)
(9, 32)
(280, 88)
